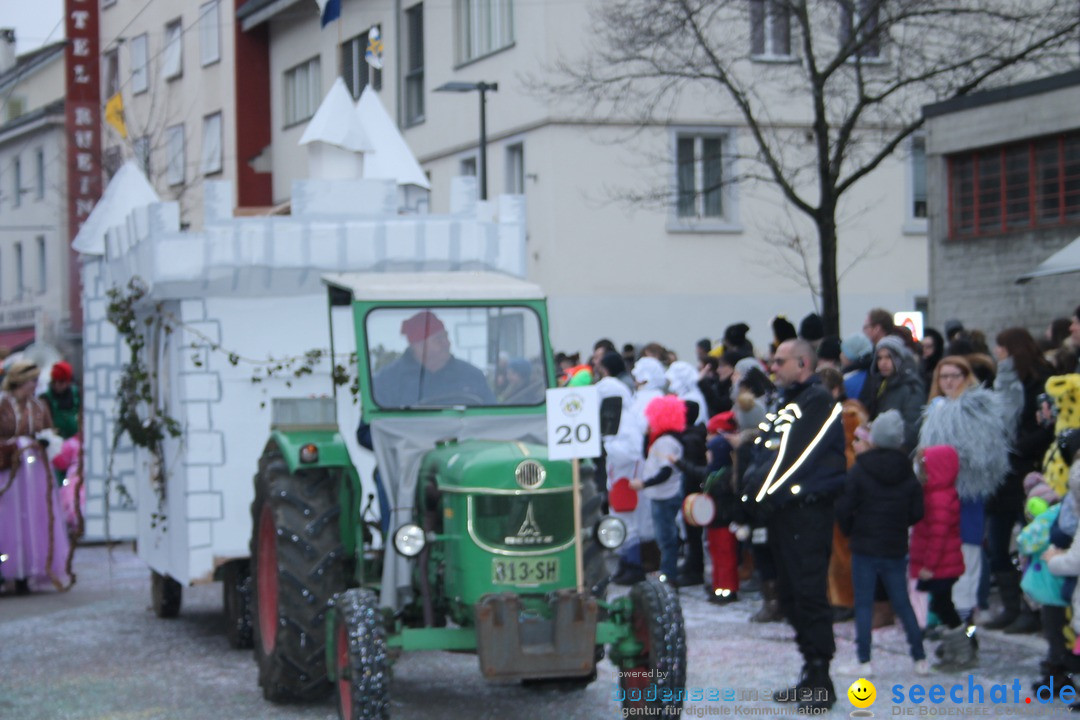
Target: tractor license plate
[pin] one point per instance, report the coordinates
(524, 572)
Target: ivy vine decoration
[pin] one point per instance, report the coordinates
(139, 415)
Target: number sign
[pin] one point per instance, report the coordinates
(573, 423)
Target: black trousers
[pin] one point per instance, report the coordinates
(800, 538)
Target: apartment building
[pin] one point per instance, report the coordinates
(195, 99)
(1004, 193)
(666, 271)
(34, 259)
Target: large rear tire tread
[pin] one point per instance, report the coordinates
(309, 571)
(593, 554)
(237, 588)
(364, 671)
(657, 622)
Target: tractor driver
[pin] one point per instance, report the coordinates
(427, 373)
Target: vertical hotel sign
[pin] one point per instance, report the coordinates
(82, 107)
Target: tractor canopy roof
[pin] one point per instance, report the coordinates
(434, 286)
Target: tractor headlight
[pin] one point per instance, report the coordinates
(309, 453)
(409, 540)
(610, 532)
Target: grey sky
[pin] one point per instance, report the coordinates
(35, 21)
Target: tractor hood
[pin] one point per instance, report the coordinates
(403, 442)
(492, 465)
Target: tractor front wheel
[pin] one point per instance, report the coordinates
(361, 661)
(297, 564)
(657, 677)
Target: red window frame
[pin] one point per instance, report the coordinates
(988, 192)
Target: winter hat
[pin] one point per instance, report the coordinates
(783, 329)
(887, 430)
(1035, 486)
(812, 328)
(521, 367)
(829, 348)
(705, 345)
(746, 365)
(649, 371)
(749, 413)
(855, 346)
(953, 326)
(421, 326)
(61, 372)
(721, 422)
(614, 363)
(735, 335)
(681, 377)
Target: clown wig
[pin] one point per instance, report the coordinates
(665, 414)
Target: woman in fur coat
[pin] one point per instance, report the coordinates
(969, 418)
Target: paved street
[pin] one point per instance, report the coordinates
(98, 652)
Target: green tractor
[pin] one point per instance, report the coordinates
(479, 538)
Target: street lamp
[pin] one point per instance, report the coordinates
(483, 88)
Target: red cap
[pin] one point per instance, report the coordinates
(721, 422)
(61, 372)
(622, 497)
(421, 326)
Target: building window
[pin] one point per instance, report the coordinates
(414, 67)
(172, 64)
(699, 176)
(483, 26)
(20, 283)
(209, 33)
(211, 149)
(111, 73)
(355, 70)
(39, 157)
(111, 160)
(174, 146)
(1015, 187)
(140, 75)
(515, 169)
(17, 179)
(917, 206)
(468, 166)
(302, 92)
(860, 18)
(42, 265)
(770, 29)
(141, 149)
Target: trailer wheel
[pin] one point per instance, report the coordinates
(298, 564)
(657, 623)
(165, 595)
(236, 589)
(361, 661)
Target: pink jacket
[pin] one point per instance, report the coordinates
(935, 540)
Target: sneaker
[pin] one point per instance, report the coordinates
(922, 667)
(859, 670)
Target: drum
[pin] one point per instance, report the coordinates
(698, 509)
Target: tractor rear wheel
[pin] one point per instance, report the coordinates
(298, 565)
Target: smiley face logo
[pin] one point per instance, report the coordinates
(862, 693)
